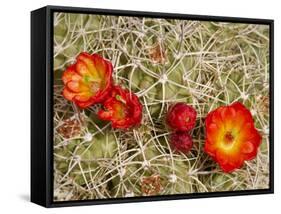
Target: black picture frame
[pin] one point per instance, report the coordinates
(42, 102)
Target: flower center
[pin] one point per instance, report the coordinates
(94, 86)
(122, 111)
(228, 138)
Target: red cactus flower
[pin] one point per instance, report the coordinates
(181, 142)
(181, 117)
(122, 108)
(231, 137)
(88, 81)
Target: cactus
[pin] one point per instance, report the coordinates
(203, 64)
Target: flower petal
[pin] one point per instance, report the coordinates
(68, 94)
(77, 86)
(70, 75)
(85, 104)
(87, 60)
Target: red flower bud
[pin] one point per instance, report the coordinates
(181, 142)
(181, 117)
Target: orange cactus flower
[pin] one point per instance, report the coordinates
(88, 81)
(231, 137)
(122, 108)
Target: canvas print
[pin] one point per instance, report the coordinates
(149, 107)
